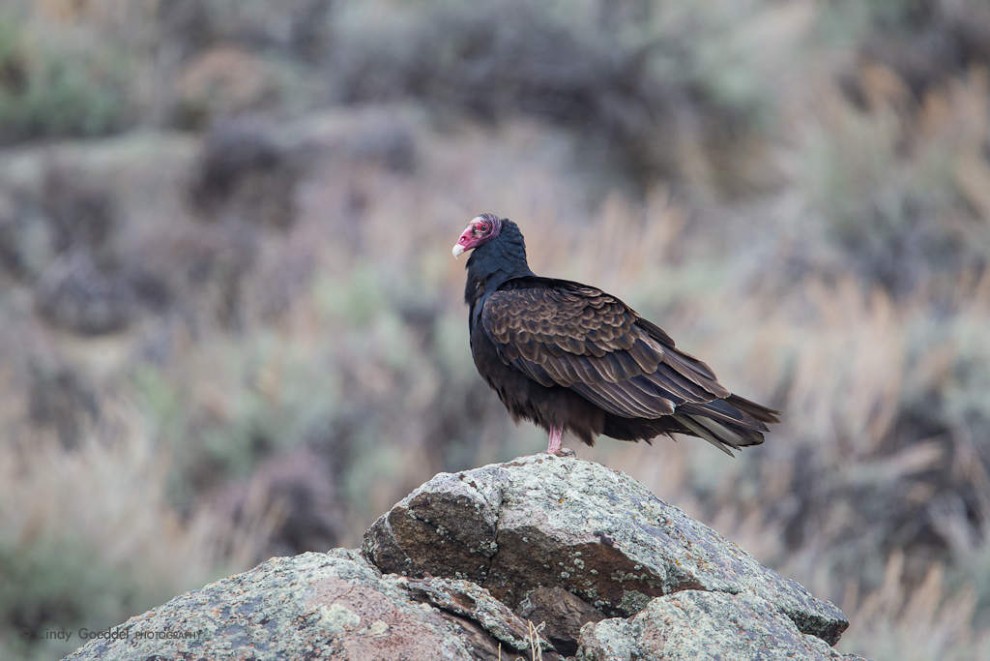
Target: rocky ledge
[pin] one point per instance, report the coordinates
(544, 557)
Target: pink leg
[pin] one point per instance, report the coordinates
(556, 437)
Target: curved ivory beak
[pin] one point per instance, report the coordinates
(465, 241)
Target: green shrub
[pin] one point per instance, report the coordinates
(49, 91)
(60, 584)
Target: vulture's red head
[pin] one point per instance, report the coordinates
(479, 231)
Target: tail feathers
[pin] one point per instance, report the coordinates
(754, 410)
(727, 423)
(697, 427)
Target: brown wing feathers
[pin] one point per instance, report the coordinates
(581, 338)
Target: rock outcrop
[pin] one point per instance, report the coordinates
(544, 556)
(694, 624)
(319, 606)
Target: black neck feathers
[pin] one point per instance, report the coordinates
(494, 263)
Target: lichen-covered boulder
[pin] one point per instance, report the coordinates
(318, 606)
(541, 557)
(541, 527)
(694, 626)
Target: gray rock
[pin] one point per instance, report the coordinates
(545, 521)
(315, 606)
(692, 625)
(475, 604)
(537, 558)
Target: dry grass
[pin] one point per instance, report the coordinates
(926, 622)
(89, 537)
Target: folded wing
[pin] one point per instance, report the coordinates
(561, 333)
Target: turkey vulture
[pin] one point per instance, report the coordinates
(572, 357)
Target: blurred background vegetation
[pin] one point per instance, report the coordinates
(232, 327)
